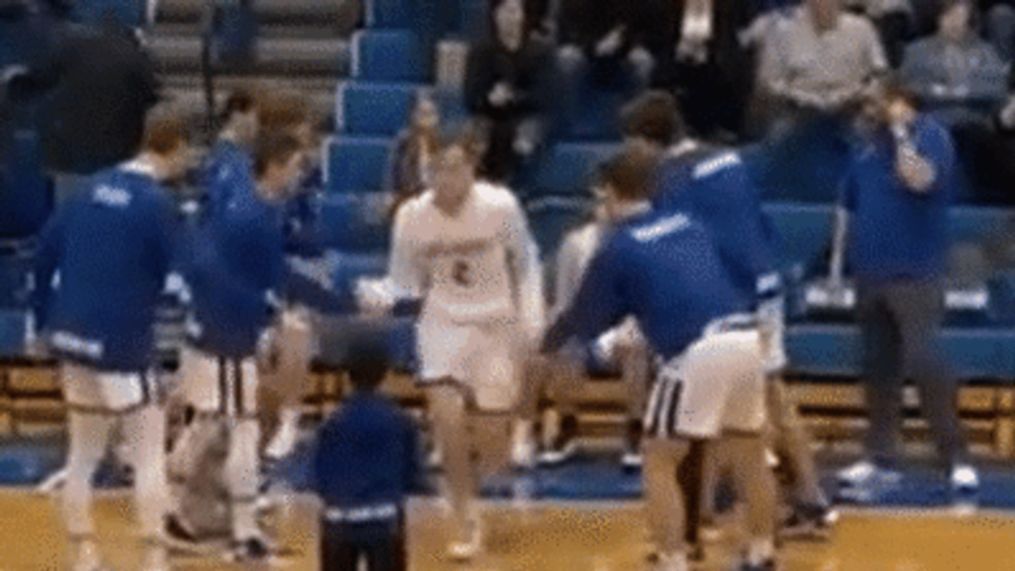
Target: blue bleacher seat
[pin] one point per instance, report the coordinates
(552, 217)
(475, 19)
(375, 109)
(130, 13)
(12, 333)
(356, 164)
(387, 14)
(355, 222)
(567, 168)
(834, 350)
(387, 55)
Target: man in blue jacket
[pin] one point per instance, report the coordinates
(102, 265)
(897, 193)
(234, 268)
(366, 460)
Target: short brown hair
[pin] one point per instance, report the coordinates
(654, 115)
(283, 110)
(241, 100)
(632, 172)
(272, 149)
(165, 131)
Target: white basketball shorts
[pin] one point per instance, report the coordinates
(717, 385)
(217, 385)
(91, 391)
(481, 357)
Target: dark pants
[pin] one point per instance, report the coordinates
(899, 322)
(380, 545)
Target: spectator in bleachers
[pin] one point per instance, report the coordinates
(614, 37)
(706, 62)
(409, 168)
(103, 86)
(955, 70)
(999, 26)
(508, 82)
(893, 20)
(822, 59)
(897, 195)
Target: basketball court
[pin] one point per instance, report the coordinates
(550, 536)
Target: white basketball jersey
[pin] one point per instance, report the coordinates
(479, 265)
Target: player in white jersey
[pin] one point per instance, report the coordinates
(465, 249)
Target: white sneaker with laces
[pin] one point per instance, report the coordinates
(866, 472)
(965, 478)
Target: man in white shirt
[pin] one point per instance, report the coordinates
(465, 250)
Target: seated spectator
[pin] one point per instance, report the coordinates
(999, 26)
(708, 64)
(894, 22)
(822, 59)
(507, 82)
(409, 169)
(616, 37)
(955, 69)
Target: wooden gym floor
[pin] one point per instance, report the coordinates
(550, 537)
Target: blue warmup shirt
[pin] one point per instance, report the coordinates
(234, 266)
(111, 246)
(366, 460)
(227, 173)
(662, 268)
(896, 233)
(714, 188)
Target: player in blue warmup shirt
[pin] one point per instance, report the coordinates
(234, 268)
(365, 461)
(663, 269)
(900, 184)
(102, 265)
(713, 185)
(229, 168)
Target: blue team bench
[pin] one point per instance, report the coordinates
(815, 351)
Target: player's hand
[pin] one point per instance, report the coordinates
(374, 297)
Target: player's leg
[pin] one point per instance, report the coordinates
(636, 370)
(664, 500)
(337, 554)
(737, 358)
(448, 408)
(89, 431)
(288, 380)
(144, 437)
(243, 459)
(812, 514)
(563, 381)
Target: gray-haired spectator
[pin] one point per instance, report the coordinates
(955, 68)
(821, 58)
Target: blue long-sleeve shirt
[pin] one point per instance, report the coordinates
(896, 233)
(227, 174)
(109, 248)
(662, 268)
(367, 459)
(234, 265)
(714, 188)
